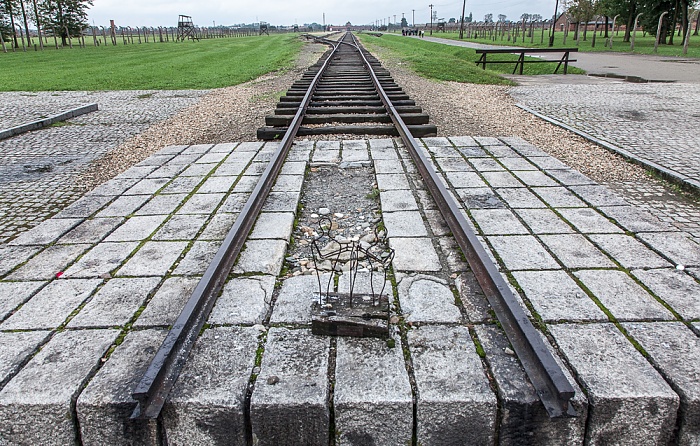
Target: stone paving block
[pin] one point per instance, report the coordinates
(230, 170)
(50, 307)
(628, 251)
(487, 140)
(48, 263)
(217, 184)
(398, 200)
(549, 163)
(455, 402)
(105, 406)
(293, 168)
(544, 221)
(226, 147)
(635, 219)
(677, 246)
(444, 152)
(238, 157)
(437, 224)
(116, 186)
(197, 259)
(404, 224)
(233, 203)
(373, 405)
(463, 141)
(197, 149)
(426, 201)
(556, 297)
(198, 170)
(485, 164)
(558, 197)
(675, 288)
(15, 349)
(570, 177)
(622, 296)
(155, 160)
(47, 232)
(212, 157)
(147, 186)
(474, 302)
(85, 206)
(453, 255)
(675, 351)
(382, 166)
(153, 259)
(523, 418)
(218, 227)
(523, 147)
(164, 308)
(136, 228)
(262, 256)
(630, 403)
(293, 304)
(167, 171)
(454, 165)
(473, 152)
(182, 185)
(201, 204)
(252, 146)
(598, 196)
(91, 231)
(36, 405)
(289, 403)
(123, 206)
(517, 163)
(13, 294)
(100, 260)
(115, 303)
(522, 252)
(161, 204)
(244, 300)
(206, 404)
(501, 179)
(465, 179)
(427, 299)
(519, 198)
(392, 182)
(498, 222)
(325, 156)
(184, 159)
(574, 251)
(273, 225)
(361, 284)
(181, 227)
(381, 143)
(501, 151)
(480, 198)
(414, 254)
(588, 221)
(281, 202)
(435, 141)
(246, 184)
(299, 153)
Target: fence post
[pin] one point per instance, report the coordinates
(595, 30)
(658, 31)
(2, 41)
(634, 31)
(687, 34)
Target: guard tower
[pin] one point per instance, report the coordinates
(185, 28)
(441, 25)
(263, 29)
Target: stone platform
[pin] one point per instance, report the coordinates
(86, 298)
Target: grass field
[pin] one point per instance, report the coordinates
(156, 66)
(450, 63)
(642, 44)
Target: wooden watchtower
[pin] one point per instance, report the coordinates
(263, 29)
(185, 28)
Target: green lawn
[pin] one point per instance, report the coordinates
(642, 44)
(154, 66)
(450, 63)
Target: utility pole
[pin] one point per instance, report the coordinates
(431, 19)
(461, 23)
(412, 24)
(554, 21)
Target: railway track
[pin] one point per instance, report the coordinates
(348, 68)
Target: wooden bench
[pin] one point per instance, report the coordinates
(521, 59)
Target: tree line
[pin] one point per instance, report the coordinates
(61, 18)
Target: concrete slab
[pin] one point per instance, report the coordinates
(568, 177)
(289, 403)
(427, 299)
(675, 288)
(218, 227)
(91, 231)
(244, 300)
(454, 165)
(13, 294)
(498, 222)
(455, 401)
(675, 351)
(197, 259)
(161, 204)
(404, 224)
(123, 206)
(15, 349)
(273, 225)
(48, 263)
(233, 203)
(558, 197)
(47, 232)
(136, 228)
(414, 254)
(398, 200)
(635, 219)
(206, 404)
(465, 179)
(597, 195)
(628, 251)
(485, 164)
(198, 170)
(556, 297)
(366, 396)
(522, 252)
(463, 141)
(180, 227)
(201, 204)
(147, 186)
(281, 202)
(100, 260)
(501, 179)
(630, 403)
(544, 221)
(164, 308)
(115, 187)
(85, 206)
(153, 259)
(588, 221)
(548, 163)
(392, 182)
(677, 246)
(480, 198)
(293, 304)
(182, 185)
(622, 296)
(105, 406)
(520, 198)
(51, 306)
(46, 388)
(261, 256)
(575, 251)
(505, 152)
(246, 184)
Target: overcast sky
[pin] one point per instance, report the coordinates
(288, 12)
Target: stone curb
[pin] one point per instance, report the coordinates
(35, 125)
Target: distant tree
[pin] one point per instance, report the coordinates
(5, 26)
(452, 20)
(488, 18)
(404, 23)
(65, 17)
(502, 18)
(536, 17)
(525, 17)
(469, 19)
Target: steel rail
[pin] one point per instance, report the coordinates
(161, 375)
(544, 372)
